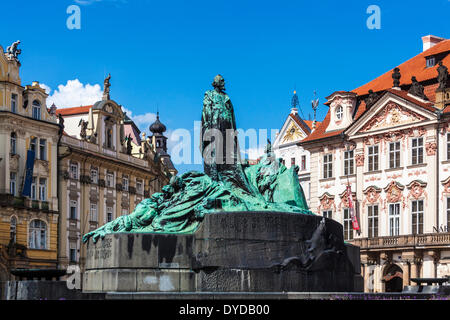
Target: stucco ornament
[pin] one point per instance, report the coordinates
(226, 185)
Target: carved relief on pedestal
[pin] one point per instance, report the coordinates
(431, 148)
(394, 193)
(326, 202)
(392, 115)
(372, 195)
(417, 189)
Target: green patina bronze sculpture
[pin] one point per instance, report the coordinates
(226, 184)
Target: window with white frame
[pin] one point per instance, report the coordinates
(372, 216)
(303, 168)
(94, 176)
(448, 146)
(448, 213)
(394, 154)
(348, 227)
(139, 188)
(339, 112)
(73, 210)
(431, 62)
(43, 149)
(125, 184)
(348, 163)
(110, 180)
(372, 164)
(417, 150)
(328, 166)
(38, 234)
(33, 189)
(42, 189)
(14, 103)
(12, 183)
(109, 214)
(327, 214)
(36, 110)
(417, 216)
(394, 219)
(74, 171)
(93, 213)
(13, 141)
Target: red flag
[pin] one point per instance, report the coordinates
(355, 223)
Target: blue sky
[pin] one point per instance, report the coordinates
(164, 54)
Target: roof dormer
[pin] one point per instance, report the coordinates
(342, 106)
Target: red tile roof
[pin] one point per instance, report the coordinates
(415, 66)
(73, 111)
(310, 122)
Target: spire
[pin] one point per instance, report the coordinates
(294, 103)
(157, 126)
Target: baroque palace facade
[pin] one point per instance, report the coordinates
(107, 169)
(390, 141)
(28, 224)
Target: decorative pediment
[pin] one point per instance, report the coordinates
(391, 115)
(372, 195)
(394, 191)
(417, 189)
(344, 199)
(326, 202)
(292, 133)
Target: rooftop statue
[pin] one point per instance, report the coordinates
(442, 75)
(226, 184)
(417, 89)
(12, 51)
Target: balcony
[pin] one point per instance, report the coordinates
(431, 240)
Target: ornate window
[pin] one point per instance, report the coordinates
(328, 166)
(348, 163)
(339, 112)
(38, 234)
(303, 168)
(394, 154)
(42, 149)
(94, 176)
(33, 189)
(373, 158)
(36, 110)
(394, 219)
(13, 141)
(125, 184)
(109, 214)
(448, 146)
(42, 189)
(12, 183)
(348, 228)
(417, 216)
(327, 214)
(417, 151)
(73, 210)
(14, 103)
(110, 180)
(448, 213)
(93, 213)
(74, 171)
(372, 215)
(109, 138)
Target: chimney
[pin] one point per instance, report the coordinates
(429, 41)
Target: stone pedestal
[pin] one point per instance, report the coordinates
(229, 252)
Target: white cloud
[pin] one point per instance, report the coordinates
(73, 94)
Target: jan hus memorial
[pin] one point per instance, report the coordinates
(232, 228)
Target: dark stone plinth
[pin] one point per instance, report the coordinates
(230, 252)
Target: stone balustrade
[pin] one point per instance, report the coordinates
(404, 241)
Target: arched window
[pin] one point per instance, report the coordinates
(38, 234)
(13, 142)
(13, 228)
(36, 110)
(339, 112)
(109, 143)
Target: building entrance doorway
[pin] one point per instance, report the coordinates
(393, 279)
